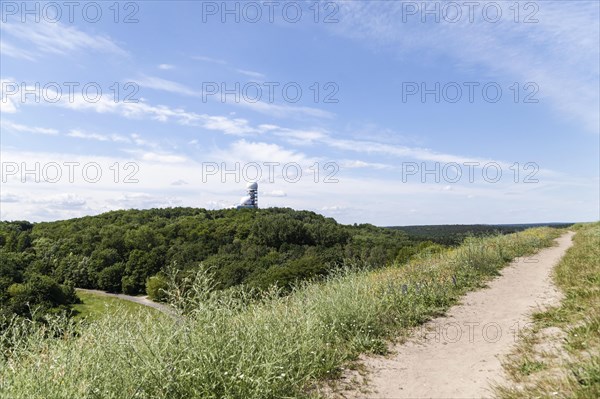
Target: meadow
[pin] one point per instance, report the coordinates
(233, 344)
(94, 306)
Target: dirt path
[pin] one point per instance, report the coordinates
(458, 355)
(142, 300)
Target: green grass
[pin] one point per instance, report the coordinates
(575, 371)
(95, 306)
(231, 344)
(529, 366)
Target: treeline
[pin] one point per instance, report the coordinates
(120, 251)
(454, 234)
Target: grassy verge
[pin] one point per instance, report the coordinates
(95, 306)
(560, 355)
(226, 345)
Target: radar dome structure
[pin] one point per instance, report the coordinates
(250, 200)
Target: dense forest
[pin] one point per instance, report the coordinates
(454, 234)
(128, 251)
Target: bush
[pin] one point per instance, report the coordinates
(110, 279)
(40, 293)
(129, 286)
(156, 287)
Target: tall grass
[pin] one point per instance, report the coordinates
(574, 371)
(230, 344)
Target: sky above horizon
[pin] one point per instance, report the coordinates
(378, 112)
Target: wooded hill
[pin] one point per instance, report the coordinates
(119, 251)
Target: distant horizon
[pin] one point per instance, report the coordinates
(317, 212)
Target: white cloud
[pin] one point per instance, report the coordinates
(166, 66)
(236, 127)
(356, 164)
(98, 137)
(138, 140)
(298, 136)
(7, 49)
(276, 110)
(337, 210)
(209, 59)
(274, 193)
(283, 111)
(63, 201)
(156, 83)
(260, 152)
(403, 152)
(252, 74)
(309, 137)
(158, 157)
(9, 197)
(162, 113)
(15, 127)
(8, 104)
(56, 38)
(141, 109)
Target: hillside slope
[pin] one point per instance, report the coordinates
(118, 251)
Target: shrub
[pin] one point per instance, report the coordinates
(110, 279)
(129, 285)
(156, 287)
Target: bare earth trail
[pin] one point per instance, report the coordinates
(142, 300)
(458, 355)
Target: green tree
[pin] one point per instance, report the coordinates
(41, 293)
(110, 278)
(129, 286)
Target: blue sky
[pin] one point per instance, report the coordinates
(371, 140)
